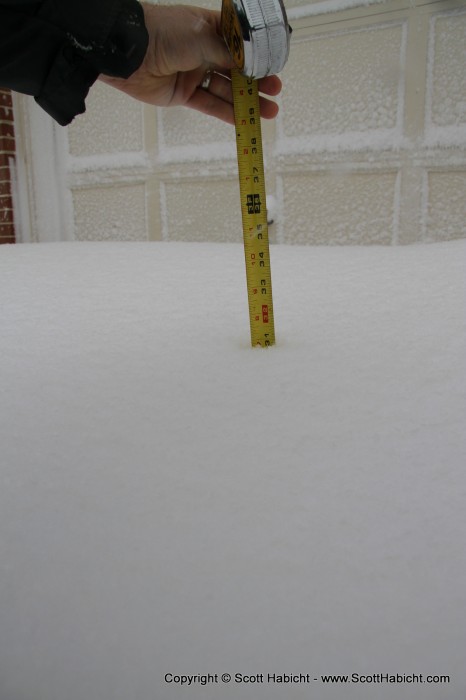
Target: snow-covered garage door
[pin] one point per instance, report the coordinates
(369, 147)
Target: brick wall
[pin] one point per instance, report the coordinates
(7, 152)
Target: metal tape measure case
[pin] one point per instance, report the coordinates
(257, 35)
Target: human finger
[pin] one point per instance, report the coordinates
(270, 85)
(215, 106)
(208, 103)
(219, 86)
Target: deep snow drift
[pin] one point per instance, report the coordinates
(175, 502)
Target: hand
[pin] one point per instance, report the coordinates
(184, 43)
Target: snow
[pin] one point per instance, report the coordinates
(108, 161)
(377, 139)
(318, 8)
(173, 501)
(446, 82)
(198, 153)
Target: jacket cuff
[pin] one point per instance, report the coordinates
(80, 61)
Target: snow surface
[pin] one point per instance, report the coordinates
(174, 501)
(318, 8)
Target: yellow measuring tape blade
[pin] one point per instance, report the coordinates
(253, 208)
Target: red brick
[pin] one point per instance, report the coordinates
(7, 129)
(6, 216)
(5, 98)
(5, 187)
(7, 151)
(6, 202)
(5, 161)
(6, 113)
(7, 230)
(7, 144)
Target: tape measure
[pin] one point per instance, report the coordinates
(258, 38)
(257, 34)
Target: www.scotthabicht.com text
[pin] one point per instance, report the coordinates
(304, 678)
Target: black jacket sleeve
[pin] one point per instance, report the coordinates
(56, 49)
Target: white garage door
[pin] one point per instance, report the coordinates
(369, 146)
